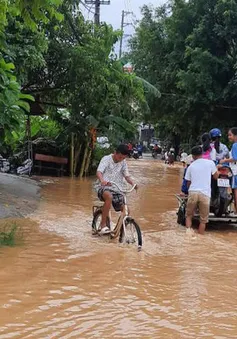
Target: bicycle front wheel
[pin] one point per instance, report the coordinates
(133, 233)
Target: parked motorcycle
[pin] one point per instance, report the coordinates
(26, 167)
(4, 165)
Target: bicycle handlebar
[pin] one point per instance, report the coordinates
(123, 191)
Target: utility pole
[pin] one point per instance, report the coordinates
(97, 12)
(121, 39)
(97, 4)
(123, 24)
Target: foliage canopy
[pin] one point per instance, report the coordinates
(188, 50)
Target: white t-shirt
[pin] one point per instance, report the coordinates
(183, 156)
(213, 154)
(223, 153)
(112, 171)
(200, 173)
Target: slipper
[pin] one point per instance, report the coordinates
(104, 230)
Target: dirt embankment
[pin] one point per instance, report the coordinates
(18, 196)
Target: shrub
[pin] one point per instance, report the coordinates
(99, 153)
(8, 235)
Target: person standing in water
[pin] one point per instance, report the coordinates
(232, 136)
(198, 177)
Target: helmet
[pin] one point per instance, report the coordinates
(215, 132)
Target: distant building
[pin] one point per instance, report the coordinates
(146, 132)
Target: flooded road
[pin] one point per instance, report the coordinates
(64, 283)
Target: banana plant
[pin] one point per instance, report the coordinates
(13, 103)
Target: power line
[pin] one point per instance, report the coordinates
(86, 7)
(97, 4)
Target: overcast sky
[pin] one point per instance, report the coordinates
(112, 13)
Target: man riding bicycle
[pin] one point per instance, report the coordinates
(112, 168)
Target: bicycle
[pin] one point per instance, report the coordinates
(126, 229)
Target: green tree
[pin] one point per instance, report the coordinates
(70, 68)
(188, 50)
(80, 74)
(28, 15)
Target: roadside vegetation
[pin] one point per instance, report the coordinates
(9, 234)
(187, 49)
(54, 62)
(66, 66)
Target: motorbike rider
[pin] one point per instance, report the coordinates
(198, 176)
(140, 149)
(171, 156)
(183, 157)
(208, 150)
(222, 150)
(166, 157)
(156, 150)
(135, 152)
(130, 149)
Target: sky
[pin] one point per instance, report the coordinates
(112, 13)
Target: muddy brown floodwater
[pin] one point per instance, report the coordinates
(63, 283)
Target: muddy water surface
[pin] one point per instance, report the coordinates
(63, 283)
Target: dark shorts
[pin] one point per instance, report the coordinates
(117, 198)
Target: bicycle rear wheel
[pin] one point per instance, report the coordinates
(133, 233)
(96, 222)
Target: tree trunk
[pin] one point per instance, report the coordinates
(82, 170)
(76, 158)
(72, 155)
(88, 160)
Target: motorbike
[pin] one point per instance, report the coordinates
(140, 150)
(4, 165)
(154, 154)
(135, 154)
(26, 167)
(221, 197)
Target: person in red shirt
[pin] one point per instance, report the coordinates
(130, 149)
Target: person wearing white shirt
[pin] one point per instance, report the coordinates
(112, 168)
(222, 150)
(199, 176)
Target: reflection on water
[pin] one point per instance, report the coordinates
(63, 283)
